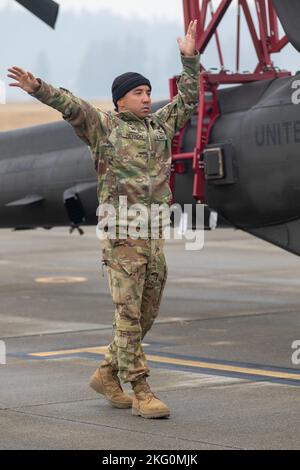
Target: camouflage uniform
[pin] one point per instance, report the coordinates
(137, 273)
(132, 158)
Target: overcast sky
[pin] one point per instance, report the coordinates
(158, 41)
(171, 9)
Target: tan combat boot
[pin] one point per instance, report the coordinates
(106, 382)
(145, 403)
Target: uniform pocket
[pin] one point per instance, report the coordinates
(126, 282)
(126, 270)
(159, 134)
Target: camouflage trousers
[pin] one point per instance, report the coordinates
(137, 274)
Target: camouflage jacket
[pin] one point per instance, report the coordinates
(132, 156)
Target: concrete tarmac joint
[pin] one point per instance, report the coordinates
(220, 352)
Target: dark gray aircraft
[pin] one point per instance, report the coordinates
(47, 177)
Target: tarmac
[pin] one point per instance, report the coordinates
(220, 353)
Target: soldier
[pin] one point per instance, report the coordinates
(131, 150)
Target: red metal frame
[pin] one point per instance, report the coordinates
(265, 42)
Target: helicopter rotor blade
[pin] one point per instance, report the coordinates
(46, 10)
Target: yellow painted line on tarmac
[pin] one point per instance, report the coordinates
(97, 350)
(182, 362)
(60, 279)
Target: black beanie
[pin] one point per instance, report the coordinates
(127, 82)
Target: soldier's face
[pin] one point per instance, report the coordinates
(138, 101)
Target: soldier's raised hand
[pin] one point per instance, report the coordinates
(188, 46)
(24, 80)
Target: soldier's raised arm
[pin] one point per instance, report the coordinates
(175, 114)
(89, 123)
